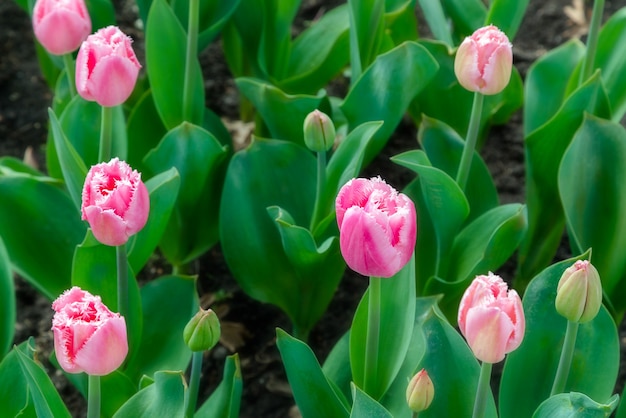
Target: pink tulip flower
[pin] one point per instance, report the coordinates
(377, 227)
(88, 337)
(106, 67)
(484, 60)
(115, 202)
(491, 318)
(61, 25)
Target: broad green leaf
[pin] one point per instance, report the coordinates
(282, 113)
(544, 150)
(14, 394)
(40, 226)
(168, 303)
(166, 45)
(164, 398)
(7, 296)
(385, 90)
(46, 399)
(335, 366)
(163, 190)
(506, 15)
(466, 16)
(596, 355)
(314, 394)
(366, 33)
(199, 158)
(366, 407)
(436, 20)
(546, 83)
(275, 38)
(397, 314)
(101, 12)
(225, 401)
(145, 131)
(241, 39)
(594, 201)
(574, 404)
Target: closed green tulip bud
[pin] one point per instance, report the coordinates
(420, 392)
(579, 293)
(202, 332)
(319, 131)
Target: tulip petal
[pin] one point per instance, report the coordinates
(488, 332)
(107, 227)
(105, 350)
(112, 80)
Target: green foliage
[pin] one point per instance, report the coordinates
(225, 401)
(575, 404)
(164, 397)
(7, 295)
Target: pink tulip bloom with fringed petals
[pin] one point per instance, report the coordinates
(88, 337)
(115, 202)
(377, 227)
(61, 26)
(106, 67)
(484, 61)
(491, 318)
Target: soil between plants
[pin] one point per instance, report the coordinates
(25, 97)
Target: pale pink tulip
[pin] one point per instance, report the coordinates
(491, 318)
(106, 67)
(579, 292)
(88, 337)
(61, 26)
(377, 227)
(115, 202)
(484, 60)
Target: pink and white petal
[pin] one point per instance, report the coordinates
(107, 227)
(487, 332)
(106, 349)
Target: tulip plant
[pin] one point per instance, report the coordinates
(138, 168)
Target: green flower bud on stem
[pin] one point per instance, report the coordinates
(579, 293)
(420, 392)
(202, 332)
(319, 131)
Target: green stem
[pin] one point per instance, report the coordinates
(592, 40)
(70, 69)
(565, 362)
(122, 280)
(93, 397)
(192, 52)
(470, 142)
(321, 182)
(355, 55)
(482, 391)
(370, 377)
(194, 383)
(106, 134)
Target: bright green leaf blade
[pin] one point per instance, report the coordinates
(436, 20)
(506, 15)
(7, 296)
(366, 33)
(225, 401)
(145, 131)
(275, 38)
(164, 398)
(594, 200)
(211, 18)
(168, 304)
(575, 405)
(397, 307)
(163, 191)
(466, 15)
(102, 13)
(366, 407)
(596, 355)
(165, 51)
(14, 394)
(29, 206)
(386, 88)
(312, 391)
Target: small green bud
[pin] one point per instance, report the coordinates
(579, 292)
(202, 332)
(319, 131)
(420, 392)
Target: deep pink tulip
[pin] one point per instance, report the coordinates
(88, 337)
(106, 67)
(491, 318)
(115, 202)
(484, 60)
(377, 227)
(61, 25)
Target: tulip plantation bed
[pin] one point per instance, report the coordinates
(248, 325)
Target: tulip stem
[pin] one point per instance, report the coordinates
(321, 182)
(370, 377)
(93, 397)
(122, 280)
(192, 52)
(70, 67)
(106, 134)
(194, 383)
(565, 362)
(482, 391)
(470, 142)
(592, 40)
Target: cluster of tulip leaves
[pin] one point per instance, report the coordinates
(422, 337)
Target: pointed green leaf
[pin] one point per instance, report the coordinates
(466, 15)
(165, 397)
(506, 15)
(7, 296)
(366, 33)
(225, 401)
(145, 131)
(366, 407)
(14, 394)
(574, 404)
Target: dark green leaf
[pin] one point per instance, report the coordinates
(575, 405)
(224, 402)
(366, 407)
(7, 296)
(506, 15)
(164, 398)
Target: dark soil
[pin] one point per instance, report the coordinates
(24, 98)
